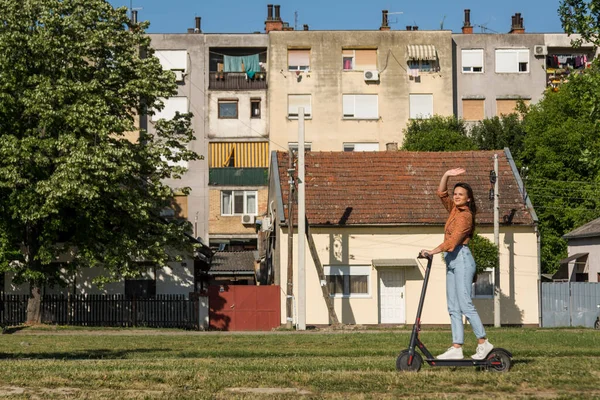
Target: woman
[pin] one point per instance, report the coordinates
(460, 266)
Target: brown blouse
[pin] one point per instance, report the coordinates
(459, 224)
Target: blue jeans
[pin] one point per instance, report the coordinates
(460, 269)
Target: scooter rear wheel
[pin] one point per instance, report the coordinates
(499, 361)
(402, 362)
(597, 324)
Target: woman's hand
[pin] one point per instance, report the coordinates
(425, 253)
(455, 172)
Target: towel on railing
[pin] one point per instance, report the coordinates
(234, 64)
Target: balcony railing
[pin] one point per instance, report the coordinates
(237, 81)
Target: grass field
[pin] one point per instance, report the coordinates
(122, 364)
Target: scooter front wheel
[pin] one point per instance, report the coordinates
(402, 362)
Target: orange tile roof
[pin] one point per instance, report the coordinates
(399, 188)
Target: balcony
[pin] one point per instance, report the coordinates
(236, 81)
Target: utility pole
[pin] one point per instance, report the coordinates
(301, 296)
(497, 243)
(290, 269)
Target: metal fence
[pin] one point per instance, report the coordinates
(160, 311)
(570, 304)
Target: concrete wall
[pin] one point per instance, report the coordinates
(518, 263)
(327, 82)
(490, 85)
(592, 247)
(193, 87)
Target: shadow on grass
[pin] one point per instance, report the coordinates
(9, 330)
(522, 361)
(99, 354)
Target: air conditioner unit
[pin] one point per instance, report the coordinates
(540, 50)
(266, 224)
(178, 75)
(371, 76)
(247, 219)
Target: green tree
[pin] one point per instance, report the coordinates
(437, 134)
(560, 149)
(485, 253)
(499, 132)
(73, 73)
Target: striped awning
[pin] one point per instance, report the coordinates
(421, 52)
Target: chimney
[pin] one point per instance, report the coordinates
(393, 146)
(415, 28)
(273, 23)
(277, 16)
(134, 19)
(197, 28)
(467, 27)
(384, 21)
(408, 27)
(305, 27)
(517, 24)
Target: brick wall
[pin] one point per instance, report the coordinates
(219, 224)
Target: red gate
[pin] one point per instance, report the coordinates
(244, 308)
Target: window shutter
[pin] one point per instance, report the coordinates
(365, 59)
(299, 100)
(348, 105)
(172, 59)
(298, 57)
(421, 106)
(366, 106)
(523, 55)
(472, 58)
(473, 110)
(506, 61)
(172, 105)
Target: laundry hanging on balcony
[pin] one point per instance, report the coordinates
(234, 64)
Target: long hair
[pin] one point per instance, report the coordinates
(470, 203)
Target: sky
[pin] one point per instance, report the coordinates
(236, 16)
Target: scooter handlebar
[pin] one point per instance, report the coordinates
(425, 255)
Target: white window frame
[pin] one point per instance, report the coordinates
(307, 110)
(304, 68)
(362, 146)
(415, 114)
(432, 65)
(350, 100)
(347, 271)
(294, 146)
(518, 56)
(232, 193)
(484, 296)
(472, 67)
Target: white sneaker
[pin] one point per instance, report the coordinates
(482, 350)
(453, 353)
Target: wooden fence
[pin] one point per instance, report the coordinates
(160, 311)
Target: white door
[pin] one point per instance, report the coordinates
(391, 296)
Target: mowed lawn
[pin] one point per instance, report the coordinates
(122, 364)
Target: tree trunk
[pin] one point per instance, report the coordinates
(34, 303)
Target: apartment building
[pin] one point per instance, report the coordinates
(494, 71)
(358, 89)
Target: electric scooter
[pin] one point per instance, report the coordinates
(498, 360)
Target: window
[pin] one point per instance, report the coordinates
(421, 106)
(472, 61)
(361, 146)
(172, 59)
(507, 106)
(348, 281)
(299, 60)
(360, 106)
(228, 109)
(172, 106)
(483, 288)
(295, 101)
(254, 108)
(512, 61)
(294, 146)
(140, 288)
(238, 202)
(359, 60)
(423, 65)
(473, 109)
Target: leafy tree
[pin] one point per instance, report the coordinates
(437, 134)
(500, 132)
(73, 73)
(485, 253)
(560, 149)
